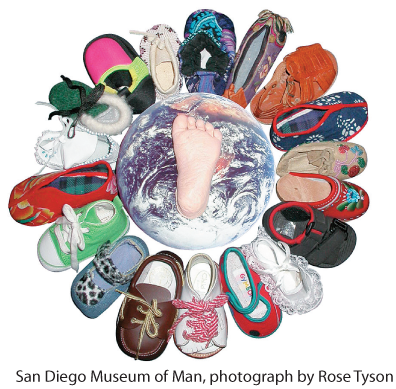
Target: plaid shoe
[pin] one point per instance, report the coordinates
(39, 199)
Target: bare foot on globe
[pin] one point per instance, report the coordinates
(197, 148)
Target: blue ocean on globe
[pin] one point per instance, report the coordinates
(241, 185)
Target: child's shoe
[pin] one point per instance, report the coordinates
(77, 235)
(201, 328)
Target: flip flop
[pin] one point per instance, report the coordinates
(302, 76)
(112, 61)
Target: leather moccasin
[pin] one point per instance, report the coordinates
(147, 313)
(201, 328)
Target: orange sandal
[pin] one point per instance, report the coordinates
(301, 77)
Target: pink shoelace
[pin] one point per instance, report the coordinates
(205, 320)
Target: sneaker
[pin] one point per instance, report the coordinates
(39, 199)
(77, 235)
(97, 286)
(147, 313)
(292, 285)
(250, 304)
(201, 328)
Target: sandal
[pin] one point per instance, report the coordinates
(303, 76)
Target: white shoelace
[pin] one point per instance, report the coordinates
(72, 233)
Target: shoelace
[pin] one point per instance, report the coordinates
(72, 233)
(205, 324)
(149, 325)
(151, 36)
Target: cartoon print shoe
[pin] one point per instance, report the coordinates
(207, 54)
(77, 235)
(256, 54)
(340, 160)
(321, 240)
(338, 199)
(250, 304)
(201, 328)
(158, 50)
(292, 285)
(112, 61)
(39, 199)
(336, 117)
(95, 288)
(303, 76)
(147, 314)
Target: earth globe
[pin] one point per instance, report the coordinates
(241, 186)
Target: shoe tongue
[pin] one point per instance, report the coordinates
(149, 292)
(100, 213)
(316, 157)
(92, 216)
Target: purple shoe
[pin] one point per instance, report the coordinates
(256, 55)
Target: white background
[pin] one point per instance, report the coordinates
(353, 328)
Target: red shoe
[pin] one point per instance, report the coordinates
(39, 199)
(338, 199)
(250, 304)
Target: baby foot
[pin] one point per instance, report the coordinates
(197, 148)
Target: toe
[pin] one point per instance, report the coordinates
(180, 123)
(201, 124)
(191, 123)
(209, 128)
(217, 134)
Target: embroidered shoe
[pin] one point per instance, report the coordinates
(39, 199)
(322, 240)
(340, 160)
(95, 288)
(256, 54)
(112, 61)
(158, 50)
(338, 199)
(147, 313)
(77, 235)
(336, 117)
(207, 54)
(250, 304)
(292, 285)
(201, 328)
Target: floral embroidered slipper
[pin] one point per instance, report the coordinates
(338, 199)
(256, 54)
(292, 285)
(112, 61)
(95, 288)
(338, 117)
(322, 240)
(302, 76)
(341, 160)
(158, 50)
(208, 51)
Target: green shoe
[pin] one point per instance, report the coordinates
(76, 236)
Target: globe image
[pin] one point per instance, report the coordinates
(241, 186)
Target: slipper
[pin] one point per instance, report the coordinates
(95, 288)
(256, 54)
(303, 76)
(292, 285)
(158, 50)
(334, 159)
(112, 61)
(336, 117)
(207, 54)
(250, 304)
(337, 199)
(321, 240)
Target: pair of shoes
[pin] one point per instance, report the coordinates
(337, 199)
(207, 54)
(256, 54)
(323, 241)
(39, 199)
(76, 236)
(303, 76)
(158, 50)
(340, 160)
(336, 117)
(148, 317)
(97, 286)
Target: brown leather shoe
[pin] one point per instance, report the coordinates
(302, 76)
(147, 313)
